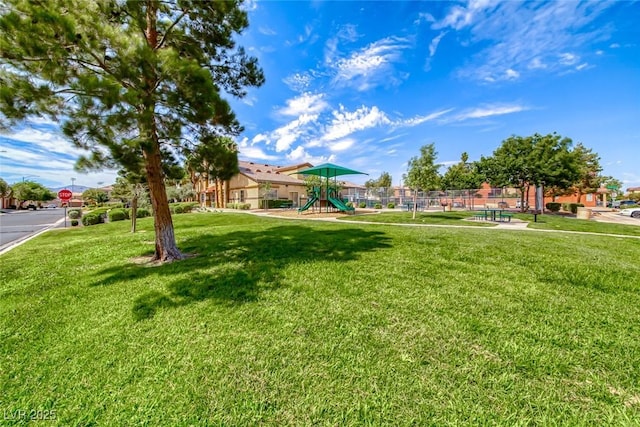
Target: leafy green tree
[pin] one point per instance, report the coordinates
(384, 183)
(5, 191)
(589, 178)
(180, 192)
(423, 173)
(463, 176)
(536, 160)
(30, 190)
(94, 196)
(130, 188)
(217, 160)
(127, 79)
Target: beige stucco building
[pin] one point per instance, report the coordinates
(256, 182)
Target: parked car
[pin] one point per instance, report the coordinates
(621, 203)
(632, 212)
(51, 206)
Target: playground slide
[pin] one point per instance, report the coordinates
(339, 204)
(309, 203)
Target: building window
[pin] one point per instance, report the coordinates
(589, 197)
(241, 196)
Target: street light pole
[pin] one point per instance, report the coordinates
(72, 181)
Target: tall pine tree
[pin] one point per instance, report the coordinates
(127, 79)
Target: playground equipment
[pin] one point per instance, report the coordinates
(329, 170)
(339, 204)
(314, 197)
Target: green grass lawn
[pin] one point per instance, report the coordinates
(287, 322)
(434, 217)
(570, 223)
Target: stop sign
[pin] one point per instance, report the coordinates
(65, 195)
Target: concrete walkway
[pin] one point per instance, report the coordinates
(514, 225)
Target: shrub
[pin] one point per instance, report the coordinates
(553, 206)
(349, 204)
(391, 205)
(90, 219)
(142, 213)
(74, 222)
(377, 206)
(117, 215)
(189, 206)
(74, 213)
(178, 209)
(573, 207)
(243, 206)
(362, 205)
(275, 204)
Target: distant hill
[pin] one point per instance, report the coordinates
(76, 188)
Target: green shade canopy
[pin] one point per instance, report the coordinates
(329, 170)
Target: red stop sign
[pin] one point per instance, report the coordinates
(65, 195)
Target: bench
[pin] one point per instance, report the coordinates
(479, 217)
(505, 216)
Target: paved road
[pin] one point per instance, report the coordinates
(19, 225)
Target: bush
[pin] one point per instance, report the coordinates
(391, 205)
(90, 219)
(349, 204)
(275, 204)
(377, 206)
(243, 206)
(74, 222)
(178, 209)
(74, 213)
(142, 213)
(553, 206)
(362, 205)
(571, 207)
(117, 215)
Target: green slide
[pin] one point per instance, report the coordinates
(310, 203)
(339, 204)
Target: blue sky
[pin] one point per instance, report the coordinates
(365, 84)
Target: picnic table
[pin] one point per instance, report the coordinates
(494, 215)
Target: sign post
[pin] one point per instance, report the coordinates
(65, 196)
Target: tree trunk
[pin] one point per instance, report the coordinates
(415, 203)
(134, 212)
(166, 248)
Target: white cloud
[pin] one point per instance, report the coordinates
(524, 35)
(256, 153)
(45, 141)
(433, 46)
(259, 138)
(291, 132)
(370, 66)
(266, 31)
(299, 155)
(568, 58)
(511, 74)
(306, 103)
(299, 82)
(414, 121)
(341, 145)
(582, 66)
(489, 111)
(536, 64)
(345, 123)
(614, 45)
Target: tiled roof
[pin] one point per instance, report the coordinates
(261, 172)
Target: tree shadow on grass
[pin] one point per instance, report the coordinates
(235, 268)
